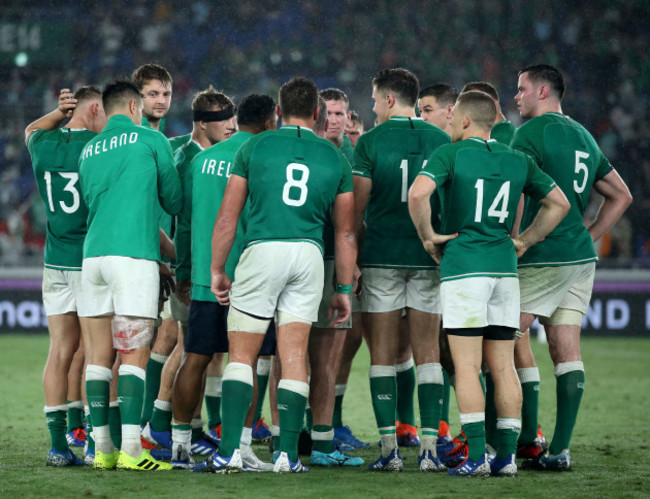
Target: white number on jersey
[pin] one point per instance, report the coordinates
(70, 187)
(498, 208)
(300, 184)
(404, 166)
(581, 168)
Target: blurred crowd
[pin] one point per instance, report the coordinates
(249, 46)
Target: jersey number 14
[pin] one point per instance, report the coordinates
(498, 208)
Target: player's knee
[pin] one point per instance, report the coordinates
(563, 317)
(241, 321)
(131, 333)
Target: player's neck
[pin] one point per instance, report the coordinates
(405, 111)
(201, 139)
(479, 133)
(154, 123)
(548, 107)
(337, 141)
(305, 123)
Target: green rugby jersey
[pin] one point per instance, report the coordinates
(293, 179)
(183, 162)
(503, 131)
(126, 172)
(181, 140)
(391, 155)
(208, 177)
(564, 150)
(55, 160)
(480, 184)
(347, 148)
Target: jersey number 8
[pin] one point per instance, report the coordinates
(293, 183)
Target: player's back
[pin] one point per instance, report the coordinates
(124, 172)
(293, 179)
(55, 160)
(392, 154)
(210, 172)
(481, 183)
(569, 154)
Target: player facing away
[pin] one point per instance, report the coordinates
(397, 273)
(292, 178)
(213, 122)
(125, 173)
(205, 183)
(556, 276)
(55, 159)
(480, 182)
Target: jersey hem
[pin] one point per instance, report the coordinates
(480, 274)
(558, 264)
(397, 266)
(62, 267)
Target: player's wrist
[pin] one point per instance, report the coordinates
(344, 289)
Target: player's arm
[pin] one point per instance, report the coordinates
(167, 247)
(362, 188)
(554, 208)
(170, 192)
(419, 201)
(55, 119)
(223, 234)
(183, 237)
(345, 255)
(617, 199)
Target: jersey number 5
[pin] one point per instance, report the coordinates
(498, 208)
(581, 168)
(70, 187)
(293, 183)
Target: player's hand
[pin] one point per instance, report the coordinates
(341, 304)
(436, 245)
(166, 281)
(67, 102)
(183, 291)
(220, 287)
(356, 282)
(521, 246)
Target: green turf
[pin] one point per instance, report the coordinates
(609, 449)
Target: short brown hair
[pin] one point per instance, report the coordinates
(479, 106)
(298, 98)
(148, 72)
(206, 99)
(483, 86)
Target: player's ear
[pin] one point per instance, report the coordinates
(450, 107)
(543, 91)
(390, 98)
(278, 111)
(132, 106)
(466, 122)
(316, 113)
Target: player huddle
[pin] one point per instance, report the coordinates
(437, 239)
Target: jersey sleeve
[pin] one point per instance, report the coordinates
(523, 140)
(240, 163)
(438, 167)
(183, 235)
(346, 175)
(604, 167)
(169, 184)
(538, 184)
(361, 163)
(33, 138)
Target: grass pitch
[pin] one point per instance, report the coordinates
(609, 449)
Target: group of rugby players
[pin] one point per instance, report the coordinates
(438, 239)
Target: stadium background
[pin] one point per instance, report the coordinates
(254, 46)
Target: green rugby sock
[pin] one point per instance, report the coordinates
(292, 400)
(490, 412)
(55, 417)
(508, 431)
(153, 373)
(405, 378)
(430, 386)
(115, 423)
(383, 390)
(263, 374)
(75, 415)
(337, 417)
(529, 379)
(213, 393)
(237, 395)
(322, 437)
(474, 428)
(161, 417)
(570, 387)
